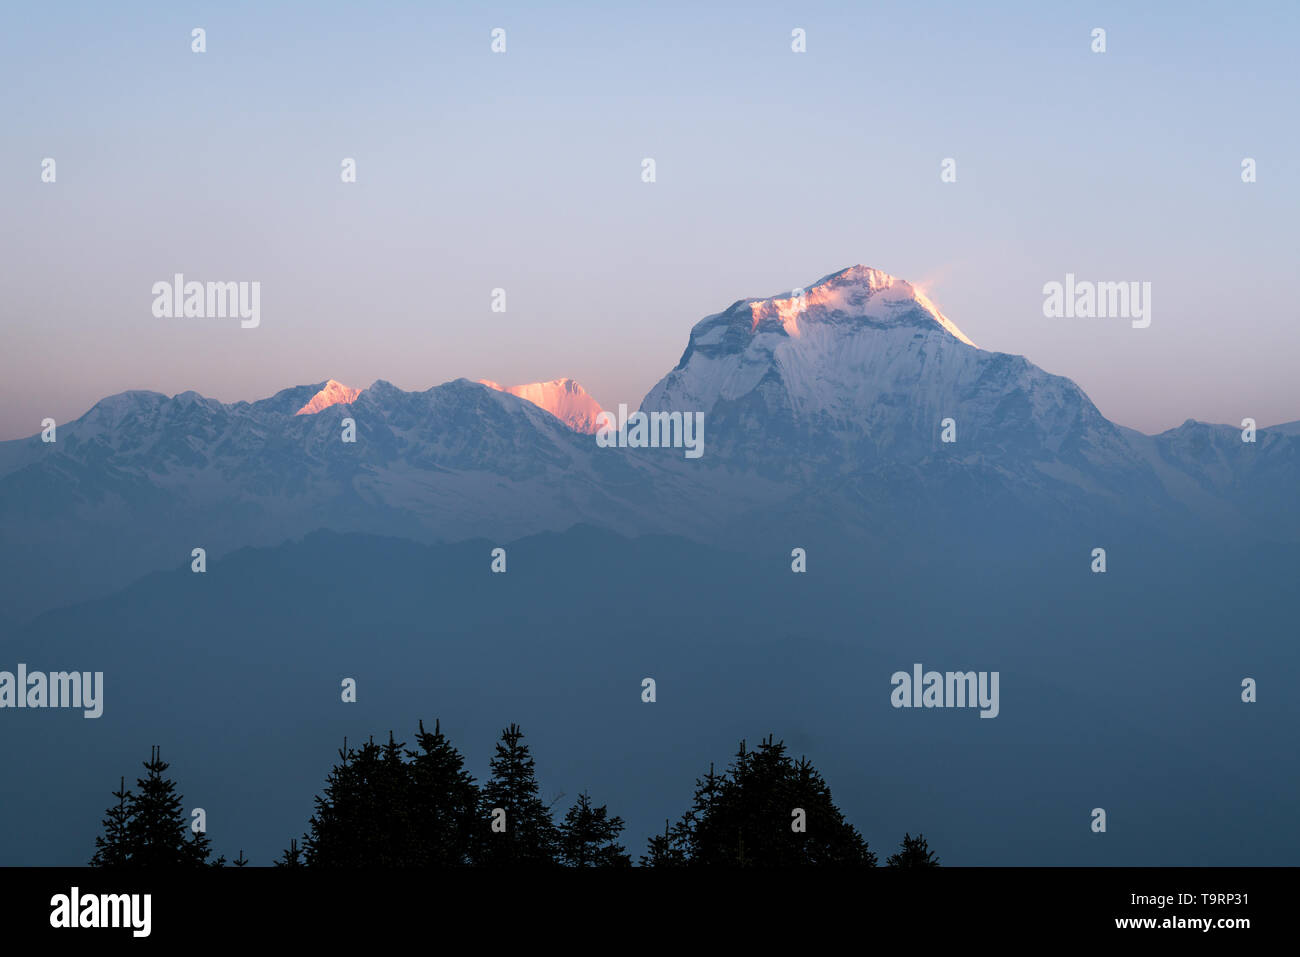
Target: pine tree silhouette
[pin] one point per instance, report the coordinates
(388, 811)
(745, 818)
(112, 848)
(385, 806)
(363, 818)
(588, 837)
(159, 830)
(329, 840)
(664, 850)
(148, 827)
(530, 837)
(292, 856)
(683, 844)
(445, 803)
(915, 852)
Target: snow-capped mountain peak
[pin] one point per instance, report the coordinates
(860, 369)
(563, 398)
(851, 346)
(334, 393)
(858, 291)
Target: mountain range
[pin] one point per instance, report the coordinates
(824, 409)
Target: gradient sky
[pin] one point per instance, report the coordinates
(522, 171)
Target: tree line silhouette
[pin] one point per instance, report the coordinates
(387, 806)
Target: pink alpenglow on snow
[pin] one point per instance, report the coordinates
(563, 398)
(334, 393)
(858, 290)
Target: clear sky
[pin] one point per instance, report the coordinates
(522, 171)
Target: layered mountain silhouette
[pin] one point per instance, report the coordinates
(1118, 690)
(823, 409)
